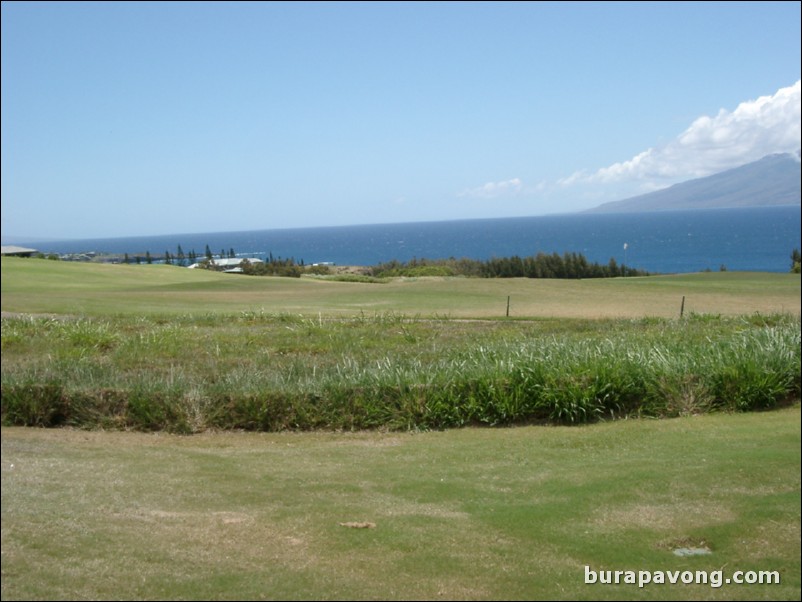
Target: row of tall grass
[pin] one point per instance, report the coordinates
(264, 372)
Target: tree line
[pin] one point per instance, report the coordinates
(542, 265)
(179, 257)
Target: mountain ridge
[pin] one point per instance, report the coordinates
(770, 181)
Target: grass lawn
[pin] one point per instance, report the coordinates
(41, 286)
(499, 514)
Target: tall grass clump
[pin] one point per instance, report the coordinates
(758, 368)
(31, 403)
(746, 367)
(282, 372)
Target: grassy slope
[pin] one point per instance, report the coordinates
(41, 286)
(465, 514)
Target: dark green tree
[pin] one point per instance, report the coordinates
(612, 268)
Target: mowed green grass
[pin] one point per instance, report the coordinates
(498, 514)
(41, 286)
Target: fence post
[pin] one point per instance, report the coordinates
(682, 307)
(508, 306)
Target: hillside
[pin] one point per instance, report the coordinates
(773, 180)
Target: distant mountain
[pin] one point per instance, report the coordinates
(773, 180)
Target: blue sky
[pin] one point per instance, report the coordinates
(127, 119)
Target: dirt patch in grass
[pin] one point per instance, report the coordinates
(663, 517)
(765, 539)
(358, 525)
(224, 518)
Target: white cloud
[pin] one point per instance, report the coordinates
(710, 144)
(493, 190)
(756, 128)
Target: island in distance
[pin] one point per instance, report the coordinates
(772, 180)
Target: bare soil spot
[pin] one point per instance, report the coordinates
(358, 525)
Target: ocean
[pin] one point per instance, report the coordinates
(742, 239)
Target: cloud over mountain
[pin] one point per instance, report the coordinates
(773, 180)
(756, 128)
(767, 125)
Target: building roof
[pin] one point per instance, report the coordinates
(230, 262)
(234, 261)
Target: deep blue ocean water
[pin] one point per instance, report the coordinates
(743, 239)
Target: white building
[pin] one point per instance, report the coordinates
(229, 264)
